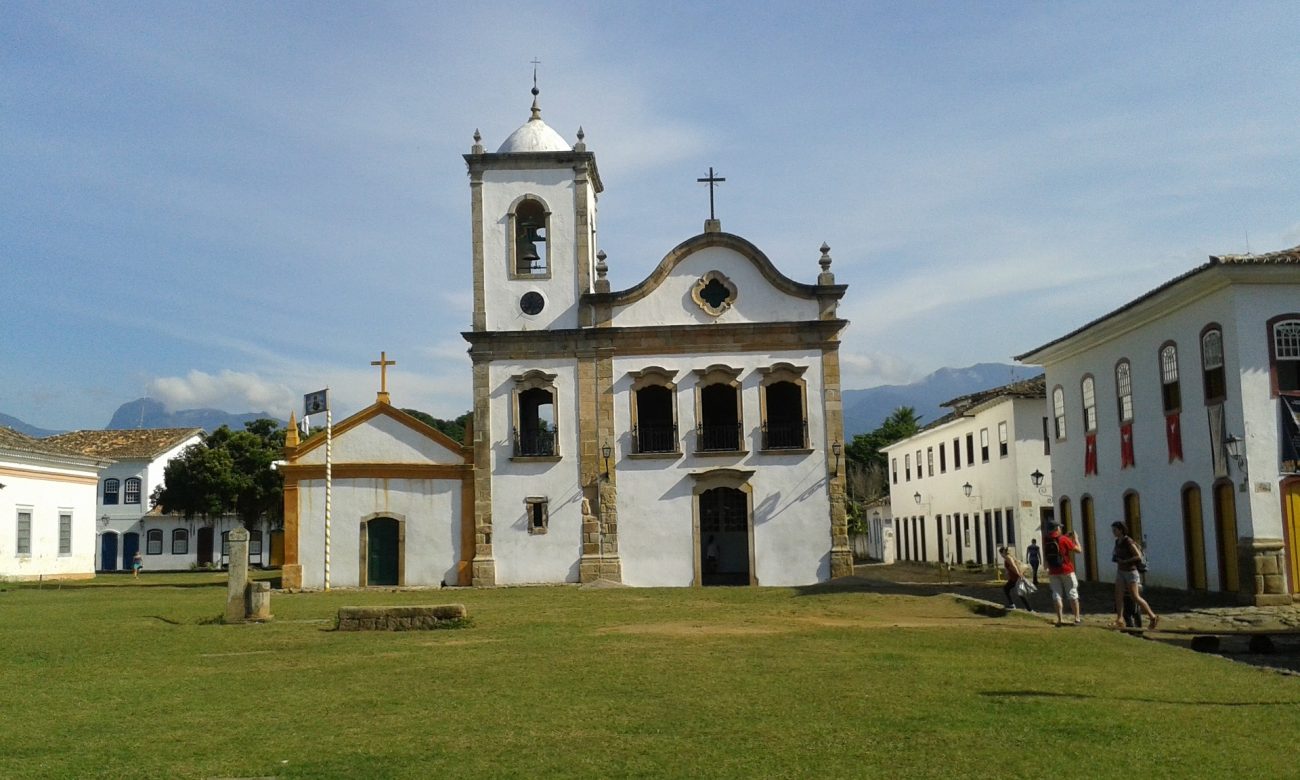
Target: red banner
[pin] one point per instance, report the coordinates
(1126, 445)
(1090, 455)
(1174, 436)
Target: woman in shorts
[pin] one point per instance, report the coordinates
(1128, 580)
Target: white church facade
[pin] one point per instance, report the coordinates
(684, 431)
(1179, 413)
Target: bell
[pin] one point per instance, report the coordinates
(526, 253)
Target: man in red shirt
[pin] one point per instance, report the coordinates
(1058, 552)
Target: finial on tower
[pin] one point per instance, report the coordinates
(291, 433)
(537, 110)
(602, 284)
(478, 143)
(581, 145)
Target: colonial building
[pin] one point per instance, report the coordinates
(682, 431)
(47, 509)
(123, 519)
(964, 485)
(397, 497)
(1177, 413)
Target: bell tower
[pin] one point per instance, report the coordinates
(533, 210)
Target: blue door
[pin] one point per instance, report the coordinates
(130, 544)
(108, 552)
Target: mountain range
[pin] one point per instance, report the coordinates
(864, 410)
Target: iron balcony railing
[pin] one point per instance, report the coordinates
(785, 435)
(532, 443)
(654, 438)
(723, 437)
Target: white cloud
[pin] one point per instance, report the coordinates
(232, 391)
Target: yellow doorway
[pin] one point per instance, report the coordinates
(1291, 524)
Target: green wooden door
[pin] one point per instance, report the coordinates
(381, 547)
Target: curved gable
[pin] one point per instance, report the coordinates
(759, 292)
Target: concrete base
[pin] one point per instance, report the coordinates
(291, 576)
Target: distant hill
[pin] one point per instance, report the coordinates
(24, 428)
(148, 413)
(865, 410)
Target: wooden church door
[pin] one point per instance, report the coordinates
(724, 537)
(381, 551)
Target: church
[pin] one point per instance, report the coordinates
(684, 431)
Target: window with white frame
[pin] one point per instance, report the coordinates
(1124, 391)
(23, 539)
(1286, 356)
(920, 469)
(112, 487)
(180, 542)
(1058, 412)
(893, 470)
(984, 445)
(907, 467)
(929, 461)
(65, 533)
(1171, 395)
(943, 458)
(153, 542)
(970, 449)
(956, 453)
(1002, 439)
(1088, 389)
(1215, 379)
(131, 491)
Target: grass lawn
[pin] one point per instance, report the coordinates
(119, 678)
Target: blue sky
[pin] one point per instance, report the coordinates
(232, 204)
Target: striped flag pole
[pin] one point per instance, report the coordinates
(329, 436)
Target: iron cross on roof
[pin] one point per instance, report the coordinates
(712, 181)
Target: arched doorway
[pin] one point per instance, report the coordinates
(382, 551)
(1193, 537)
(1225, 536)
(205, 538)
(1088, 516)
(1291, 530)
(130, 546)
(108, 551)
(724, 537)
(1133, 517)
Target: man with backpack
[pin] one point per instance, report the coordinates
(1058, 553)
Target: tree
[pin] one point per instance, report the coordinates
(866, 468)
(229, 471)
(453, 428)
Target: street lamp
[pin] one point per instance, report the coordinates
(1237, 449)
(838, 449)
(1036, 478)
(967, 489)
(607, 451)
(917, 498)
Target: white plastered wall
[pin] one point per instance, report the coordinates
(46, 492)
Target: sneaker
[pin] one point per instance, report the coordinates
(1010, 606)
(1078, 621)
(1152, 623)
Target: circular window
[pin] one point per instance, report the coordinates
(532, 303)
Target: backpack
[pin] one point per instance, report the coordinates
(1052, 552)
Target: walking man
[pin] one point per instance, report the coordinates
(1033, 557)
(1059, 550)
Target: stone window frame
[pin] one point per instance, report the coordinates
(65, 532)
(1213, 373)
(1058, 413)
(1088, 402)
(719, 374)
(131, 490)
(1274, 325)
(512, 241)
(537, 508)
(534, 379)
(736, 479)
(363, 547)
(182, 536)
(703, 282)
(1124, 390)
(112, 487)
(653, 376)
(775, 374)
(23, 531)
(1171, 391)
(149, 537)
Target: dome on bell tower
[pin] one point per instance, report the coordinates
(534, 135)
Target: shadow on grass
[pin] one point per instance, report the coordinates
(1082, 696)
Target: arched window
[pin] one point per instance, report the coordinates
(1089, 391)
(1215, 378)
(535, 426)
(153, 540)
(1285, 351)
(111, 488)
(1170, 391)
(782, 405)
(1124, 391)
(654, 411)
(132, 492)
(180, 542)
(529, 249)
(1058, 414)
(717, 409)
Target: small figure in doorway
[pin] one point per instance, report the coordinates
(1034, 557)
(711, 556)
(1016, 582)
(137, 563)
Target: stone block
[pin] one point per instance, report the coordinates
(1267, 564)
(1273, 584)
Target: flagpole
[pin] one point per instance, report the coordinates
(329, 436)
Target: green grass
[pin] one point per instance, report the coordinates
(132, 679)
